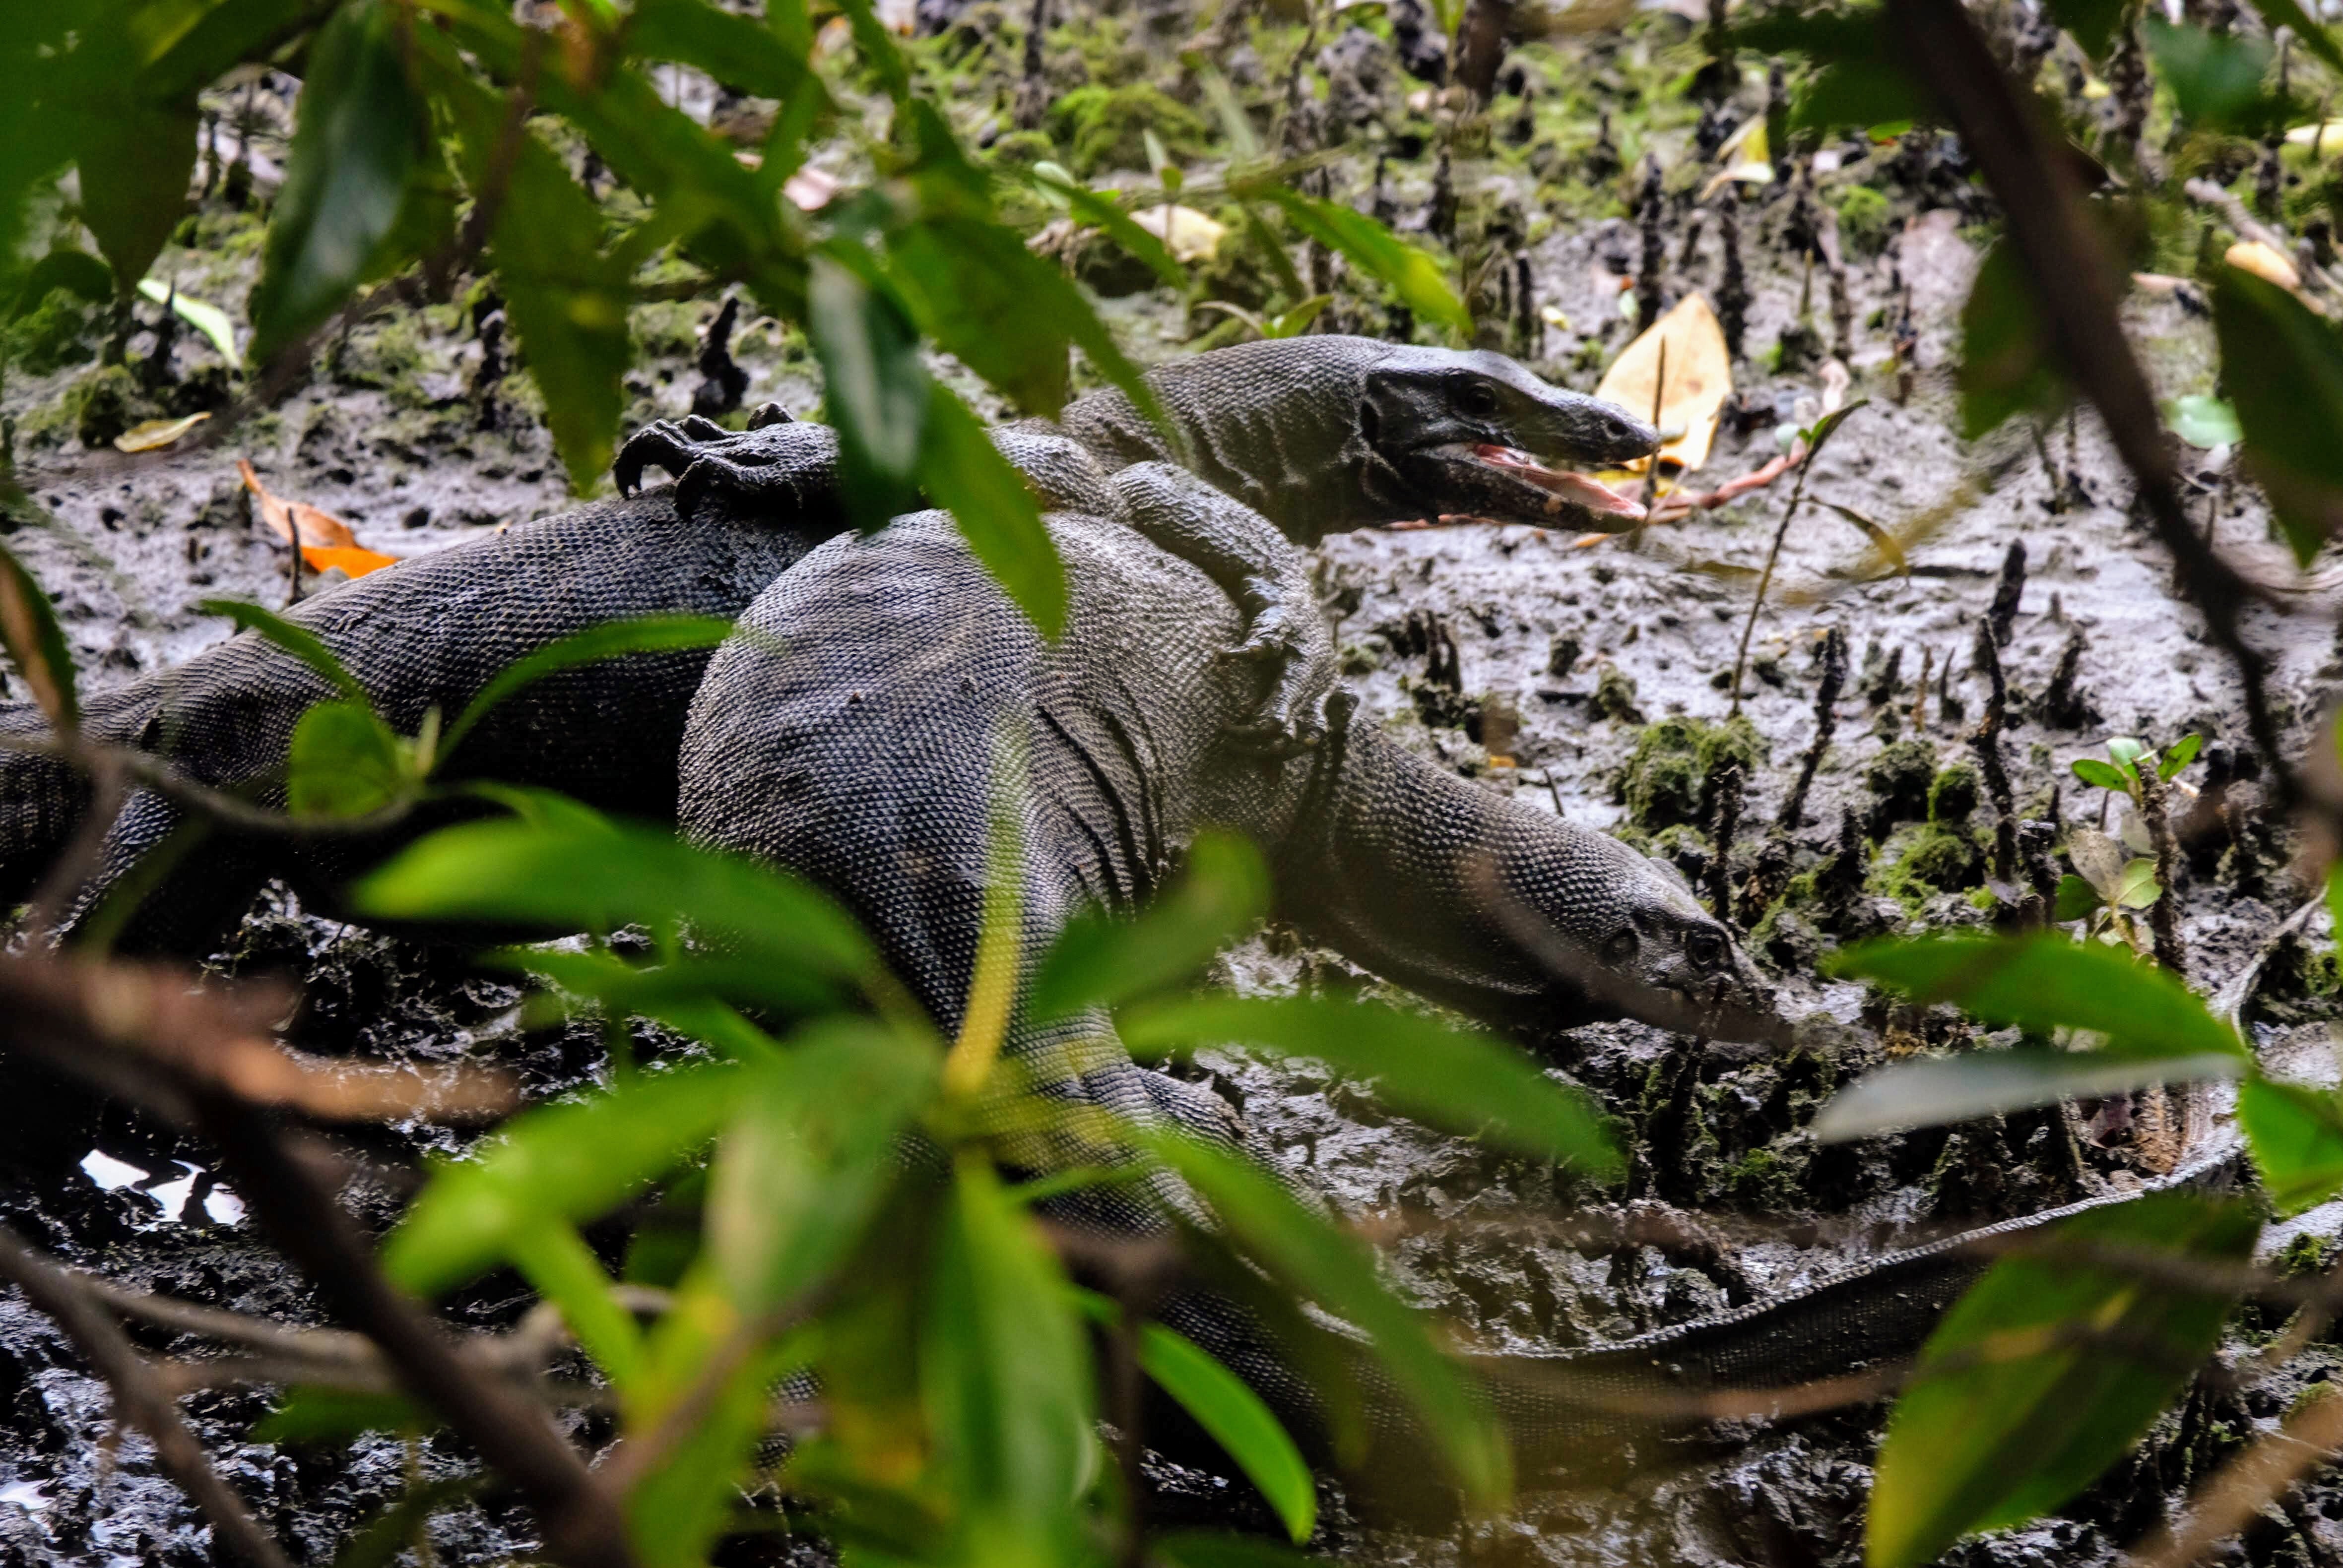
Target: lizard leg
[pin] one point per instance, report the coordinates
(1285, 638)
(761, 470)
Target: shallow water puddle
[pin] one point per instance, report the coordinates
(222, 1206)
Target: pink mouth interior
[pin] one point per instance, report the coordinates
(1590, 493)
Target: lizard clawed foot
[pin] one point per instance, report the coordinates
(709, 462)
(1291, 718)
(662, 444)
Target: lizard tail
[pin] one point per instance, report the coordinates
(41, 799)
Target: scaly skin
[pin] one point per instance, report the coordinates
(429, 633)
(855, 736)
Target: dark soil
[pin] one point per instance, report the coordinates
(1614, 662)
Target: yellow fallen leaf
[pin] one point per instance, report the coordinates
(154, 435)
(324, 540)
(2095, 89)
(1699, 380)
(2264, 262)
(1188, 235)
(2327, 137)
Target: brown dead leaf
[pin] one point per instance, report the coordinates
(2265, 262)
(154, 435)
(1699, 380)
(324, 540)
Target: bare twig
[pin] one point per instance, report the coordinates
(1834, 681)
(2035, 182)
(584, 1526)
(137, 1398)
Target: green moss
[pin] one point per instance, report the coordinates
(102, 405)
(1899, 779)
(1105, 127)
(58, 332)
(1952, 794)
(1927, 858)
(1022, 150)
(1865, 217)
(388, 355)
(1666, 777)
(1615, 696)
(1760, 1180)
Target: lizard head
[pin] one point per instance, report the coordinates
(1620, 935)
(1455, 432)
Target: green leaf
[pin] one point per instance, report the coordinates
(2204, 422)
(1408, 271)
(611, 640)
(2315, 37)
(2046, 1373)
(2103, 775)
(2044, 982)
(361, 129)
(1090, 207)
(2184, 751)
(566, 299)
(1227, 1409)
(209, 319)
(2076, 899)
(575, 870)
(1100, 961)
(733, 49)
(391, 1532)
(2092, 22)
(344, 761)
(1928, 1093)
(135, 150)
(572, 1162)
(681, 993)
(1004, 1374)
(874, 387)
(35, 644)
(808, 1156)
(1450, 1078)
(962, 471)
(1237, 1420)
(2296, 1133)
(2291, 404)
(338, 1415)
(76, 271)
(2215, 79)
(292, 637)
(1315, 1259)
(2006, 364)
(2128, 750)
(1203, 1549)
(554, 1258)
(2138, 888)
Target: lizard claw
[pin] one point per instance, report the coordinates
(661, 444)
(1290, 716)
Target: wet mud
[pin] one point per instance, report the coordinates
(1591, 680)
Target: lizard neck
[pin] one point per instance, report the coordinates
(1398, 864)
(1291, 450)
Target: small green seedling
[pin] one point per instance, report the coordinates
(2121, 774)
(2108, 888)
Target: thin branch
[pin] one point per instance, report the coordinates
(2033, 181)
(583, 1524)
(137, 1397)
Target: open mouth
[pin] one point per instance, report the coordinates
(1553, 493)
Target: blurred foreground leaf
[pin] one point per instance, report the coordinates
(2042, 984)
(1103, 961)
(1907, 1094)
(2290, 405)
(2045, 1372)
(1450, 1078)
(1318, 1261)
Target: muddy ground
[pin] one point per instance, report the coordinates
(1613, 663)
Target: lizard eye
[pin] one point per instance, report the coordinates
(1707, 951)
(1478, 399)
(1619, 948)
